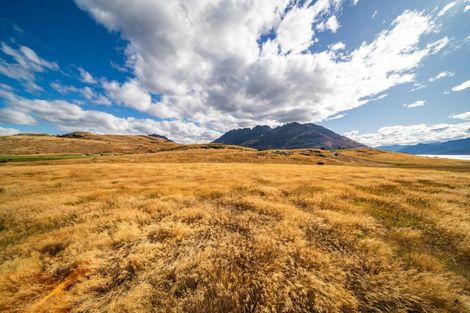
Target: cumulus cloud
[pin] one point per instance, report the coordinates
(242, 63)
(441, 75)
(462, 86)
(26, 64)
(68, 116)
(461, 116)
(8, 131)
(295, 33)
(412, 134)
(132, 95)
(446, 8)
(416, 104)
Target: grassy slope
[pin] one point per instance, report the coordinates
(87, 143)
(212, 230)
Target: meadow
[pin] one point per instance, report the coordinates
(235, 230)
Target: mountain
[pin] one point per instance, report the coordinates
(394, 148)
(288, 136)
(460, 146)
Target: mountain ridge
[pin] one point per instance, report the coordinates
(288, 136)
(451, 147)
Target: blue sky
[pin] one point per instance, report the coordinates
(381, 72)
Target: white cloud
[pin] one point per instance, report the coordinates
(119, 67)
(100, 99)
(86, 77)
(337, 117)
(16, 116)
(380, 97)
(412, 134)
(462, 86)
(338, 46)
(206, 59)
(466, 9)
(441, 75)
(25, 66)
(355, 2)
(418, 86)
(374, 14)
(132, 95)
(295, 33)
(416, 104)
(461, 116)
(8, 131)
(68, 117)
(446, 8)
(87, 92)
(438, 45)
(62, 89)
(332, 24)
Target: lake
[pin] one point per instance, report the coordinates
(447, 156)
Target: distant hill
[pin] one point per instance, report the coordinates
(394, 148)
(161, 137)
(289, 136)
(453, 147)
(83, 143)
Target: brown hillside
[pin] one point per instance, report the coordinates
(81, 142)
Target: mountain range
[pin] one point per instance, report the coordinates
(453, 147)
(288, 136)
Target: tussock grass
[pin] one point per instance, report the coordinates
(79, 236)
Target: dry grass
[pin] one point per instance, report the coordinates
(140, 233)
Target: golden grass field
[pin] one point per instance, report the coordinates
(196, 229)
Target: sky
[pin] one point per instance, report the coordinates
(380, 72)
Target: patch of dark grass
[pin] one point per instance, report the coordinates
(53, 249)
(184, 286)
(326, 237)
(213, 146)
(277, 152)
(433, 183)
(389, 214)
(381, 189)
(50, 157)
(443, 245)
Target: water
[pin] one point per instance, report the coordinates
(447, 156)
